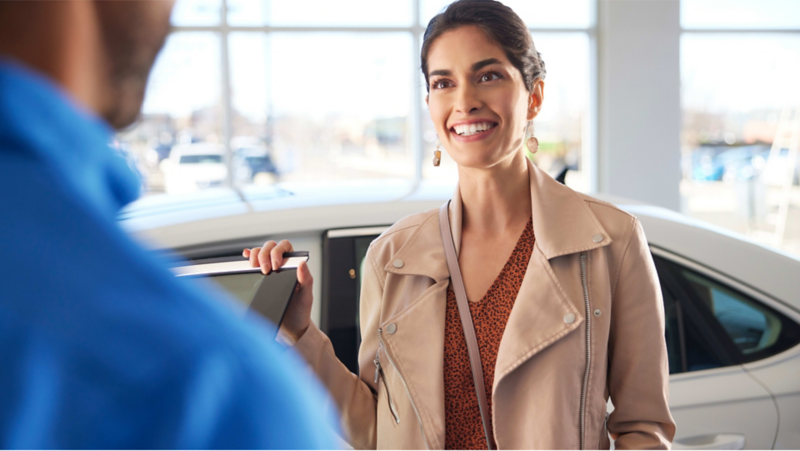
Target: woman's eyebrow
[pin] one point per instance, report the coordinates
(481, 64)
(475, 67)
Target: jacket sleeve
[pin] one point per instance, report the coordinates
(638, 371)
(355, 395)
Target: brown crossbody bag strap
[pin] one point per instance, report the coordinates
(466, 320)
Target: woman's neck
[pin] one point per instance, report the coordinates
(497, 199)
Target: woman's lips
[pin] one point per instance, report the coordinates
(472, 138)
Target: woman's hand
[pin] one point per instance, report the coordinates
(298, 313)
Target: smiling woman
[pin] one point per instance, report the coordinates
(560, 307)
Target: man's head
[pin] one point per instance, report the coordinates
(132, 33)
(100, 51)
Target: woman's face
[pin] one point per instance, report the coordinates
(477, 99)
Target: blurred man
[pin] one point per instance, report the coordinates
(100, 346)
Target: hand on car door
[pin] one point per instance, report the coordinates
(298, 314)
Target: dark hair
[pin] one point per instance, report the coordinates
(501, 25)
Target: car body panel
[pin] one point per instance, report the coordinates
(781, 376)
(719, 401)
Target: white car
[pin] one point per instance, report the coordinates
(191, 167)
(732, 306)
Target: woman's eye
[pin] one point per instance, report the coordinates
(489, 76)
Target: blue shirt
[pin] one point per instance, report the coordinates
(100, 346)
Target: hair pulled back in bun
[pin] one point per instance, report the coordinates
(501, 25)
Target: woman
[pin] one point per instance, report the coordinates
(562, 290)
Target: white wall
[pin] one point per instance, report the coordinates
(639, 122)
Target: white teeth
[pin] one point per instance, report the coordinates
(471, 129)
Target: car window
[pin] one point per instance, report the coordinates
(755, 329)
(687, 350)
(200, 159)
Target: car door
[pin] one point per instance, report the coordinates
(712, 329)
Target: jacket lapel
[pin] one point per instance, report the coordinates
(562, 224)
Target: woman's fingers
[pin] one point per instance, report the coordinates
(304, 276)
(276, 254)
(252, 255)
(263, 257)
(269, 256)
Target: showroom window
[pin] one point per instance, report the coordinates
(740, 62)
(312, 91)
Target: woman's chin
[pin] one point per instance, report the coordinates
(478, 160)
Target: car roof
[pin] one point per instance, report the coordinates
(223, 215)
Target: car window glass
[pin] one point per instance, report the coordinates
(686, 335)
(755, 329)
(699, 353)
(750, 327)
(200, 159)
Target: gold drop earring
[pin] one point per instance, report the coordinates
(531, 142)
(437, 156)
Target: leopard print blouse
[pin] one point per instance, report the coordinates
(463, 427)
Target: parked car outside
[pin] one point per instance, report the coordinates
(732, 307)
(254, 164)
(191, 167)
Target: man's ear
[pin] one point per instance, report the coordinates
(426, 100)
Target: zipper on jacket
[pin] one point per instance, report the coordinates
(379, 375)
(405, 385)
(588, 347)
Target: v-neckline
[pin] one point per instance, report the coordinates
(499, 278)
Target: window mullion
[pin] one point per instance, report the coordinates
(226, 92)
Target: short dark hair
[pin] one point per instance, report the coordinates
(501, 25)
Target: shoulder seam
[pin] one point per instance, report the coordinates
(606, 204)
(385, 234)
(390, 232)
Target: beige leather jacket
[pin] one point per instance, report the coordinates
(588, 323)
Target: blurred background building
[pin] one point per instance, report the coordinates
(691, 104)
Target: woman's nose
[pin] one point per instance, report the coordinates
(467, 99)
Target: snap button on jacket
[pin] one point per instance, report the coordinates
(559, 361)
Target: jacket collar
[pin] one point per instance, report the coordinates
(562, 222)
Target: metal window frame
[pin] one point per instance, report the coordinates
(416, 120)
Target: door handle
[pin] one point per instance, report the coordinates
(711, 441)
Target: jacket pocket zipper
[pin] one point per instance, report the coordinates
(379, 375)
(588, 347)
(405, 385)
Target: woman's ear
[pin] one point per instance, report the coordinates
(535, 99)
